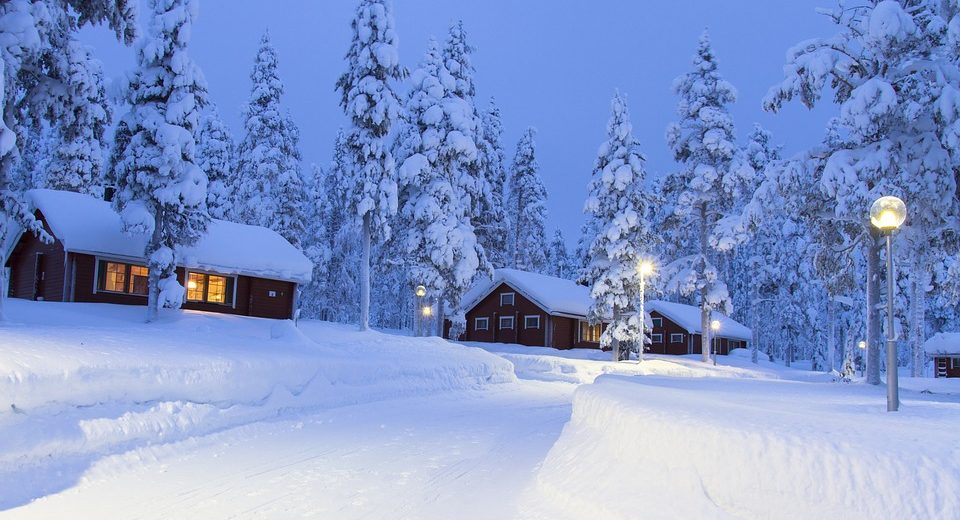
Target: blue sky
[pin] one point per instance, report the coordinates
(553, 65)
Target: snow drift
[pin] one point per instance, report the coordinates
(656, 447)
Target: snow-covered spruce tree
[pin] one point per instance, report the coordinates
(35, 36)
(160, 189)
(527, 208)
(260, 154)
(318, 239)
(703, 142)
(368, 99)
(77, 164)
(290, 194)
(559, 263)
(491, 222)
(38, 147)
(894, 73)
(215, 157)
(618, 208)
(340, 290)
(435, 179)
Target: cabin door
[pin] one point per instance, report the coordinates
(38, 277)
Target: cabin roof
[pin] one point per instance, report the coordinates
(86, 224)
(943, 344)
(688, 318)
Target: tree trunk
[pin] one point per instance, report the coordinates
(704, 306)
(614, 342)
(831, 334)
(365, 275)
(154, 274)
(3, 292)
(918, 308)
(754, 333)
(441, 310)
(873, 302)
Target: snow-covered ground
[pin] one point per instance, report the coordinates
(214, 416)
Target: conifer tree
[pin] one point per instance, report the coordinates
(367, 98)
(260, 154)
(77, 164)
(703, 142)
(559, 263)
(160, 189)
(491, 221)
(618, 209)
(527, 208)
(216, 159)
(435, 179)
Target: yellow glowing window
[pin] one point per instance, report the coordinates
(210, 288)
(123, 278)
(590, 333)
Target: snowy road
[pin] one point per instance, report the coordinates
(460, 455)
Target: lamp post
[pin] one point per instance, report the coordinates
(420, 292)
(644, 270)
(715, 327)
(887, 214)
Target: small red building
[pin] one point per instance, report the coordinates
(538, 310)
(233, 268)
(944, 349)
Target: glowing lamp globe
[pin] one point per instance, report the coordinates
(427, 311)
(888, 213)
(862, 344)
(715, 325)
(421, 291)
(645, 267)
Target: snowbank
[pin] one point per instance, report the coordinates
(656, 447)
(77, 379)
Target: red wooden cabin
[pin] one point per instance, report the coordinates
(234, 268)
(944, 349)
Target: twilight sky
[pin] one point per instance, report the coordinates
(551, 64)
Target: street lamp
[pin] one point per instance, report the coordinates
(715, 327)
(426, 312)
(887, 214)
(420, 292)
(863, 356)
(644, 269)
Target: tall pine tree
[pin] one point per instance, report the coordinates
(618, 210)
(491, 220)
(216, 159)
(368, 99)
(161, 191)
(527, 208)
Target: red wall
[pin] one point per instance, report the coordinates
(24, 272)
(490, 307)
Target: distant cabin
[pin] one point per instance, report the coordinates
(944, 348)
(234, 268)
(538, 310)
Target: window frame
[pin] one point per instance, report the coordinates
(581, 324)
(954, 363)
(513, 299)
(100, 270)
(657, 323)
(512, 323)
(657, 338)
(486, 323)
(526, 326)
(675, 335)
(230, 289)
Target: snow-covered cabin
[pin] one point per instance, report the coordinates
(944, 348)
(234, 268)
(539, 310)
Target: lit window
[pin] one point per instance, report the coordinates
(657, 338)
(209, 288)
(481, 324)
(531, 322)
(676, 338)
(506, 298)
(123, 278)
(506, 322)
(658, 322)
(590, 333)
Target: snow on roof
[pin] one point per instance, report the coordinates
(688, 317)
(552, 294)
(943, 343)
(85, 224)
